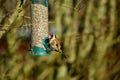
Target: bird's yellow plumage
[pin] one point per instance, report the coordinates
(55, 44)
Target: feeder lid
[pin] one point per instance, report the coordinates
(43, 2)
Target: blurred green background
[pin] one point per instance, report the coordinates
(89, 30)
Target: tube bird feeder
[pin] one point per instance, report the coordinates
(39, 20)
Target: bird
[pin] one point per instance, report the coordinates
(55, 44)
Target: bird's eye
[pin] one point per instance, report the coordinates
(57, 45)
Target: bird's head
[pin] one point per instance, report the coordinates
(52, 36)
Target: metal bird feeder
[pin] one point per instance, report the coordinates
(39, 20)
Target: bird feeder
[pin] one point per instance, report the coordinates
(39, 21)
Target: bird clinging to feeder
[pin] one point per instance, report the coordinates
(55, 44)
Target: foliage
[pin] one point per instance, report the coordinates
(89, 30)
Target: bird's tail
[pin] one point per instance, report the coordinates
(63, 55)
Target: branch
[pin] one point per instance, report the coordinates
(11, 19)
